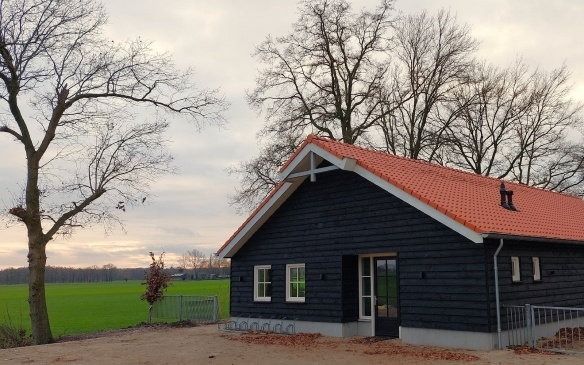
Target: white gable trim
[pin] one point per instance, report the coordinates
(305, 152)
(347, 164)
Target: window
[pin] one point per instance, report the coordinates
(262, 279)
(295, 283)
(365, 288)
(515, 269)
(536, 269)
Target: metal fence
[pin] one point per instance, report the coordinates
(516, 317)
(544, 327)
(173, 308)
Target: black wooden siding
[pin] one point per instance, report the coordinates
(326, 224)
(562, 275)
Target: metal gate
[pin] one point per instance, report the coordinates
(544, 327)
(173, 308)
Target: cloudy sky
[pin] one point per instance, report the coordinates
(216, 37)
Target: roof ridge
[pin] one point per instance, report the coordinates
(427, 163)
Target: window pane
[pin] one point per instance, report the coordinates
(536, 269)
(515, 269)
(293, 290)
(268, 290)
(293, 274)
(267, 274)
(366, 266)
(391, 266)
(381, 284)
(366, 285)
(300, 274)
(381, 268)
(261, 290)
(301, 290)
(366, 306)
(261, 275)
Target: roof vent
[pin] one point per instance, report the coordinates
(506, 198)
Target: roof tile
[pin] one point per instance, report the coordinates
(472, 199)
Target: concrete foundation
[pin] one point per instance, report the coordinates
(349, 329)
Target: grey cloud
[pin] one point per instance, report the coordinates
(190, 209)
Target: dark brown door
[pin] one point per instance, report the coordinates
(386, 299)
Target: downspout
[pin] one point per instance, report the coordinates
(497, 293)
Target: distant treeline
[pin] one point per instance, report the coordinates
(105, 273)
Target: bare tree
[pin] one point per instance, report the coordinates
(196, 259)
(259, 175)
(411, 87)
(183, 262)
(485, 111)
(432, 57)
(545, 157)
(325, 77)
(514, 123)
(109, 272)
(70, 98)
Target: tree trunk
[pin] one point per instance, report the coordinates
(39, 317)
(37, 257)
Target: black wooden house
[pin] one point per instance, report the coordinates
(358, 242)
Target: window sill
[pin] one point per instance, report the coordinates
(262, 300)
(364, 320)
(295, 301)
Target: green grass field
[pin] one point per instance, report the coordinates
(91, 307)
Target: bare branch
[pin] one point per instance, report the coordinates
(5, 129)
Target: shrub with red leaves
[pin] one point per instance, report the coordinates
(157, 280)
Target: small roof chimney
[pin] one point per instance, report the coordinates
(506, 198)
(503, 193)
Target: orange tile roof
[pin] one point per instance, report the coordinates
(470, 199)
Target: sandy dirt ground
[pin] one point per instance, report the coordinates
(207, 345)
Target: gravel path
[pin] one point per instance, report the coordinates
(206, 345)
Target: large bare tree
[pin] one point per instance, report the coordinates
(480, 136)
(545, 155)
(327, 76)
(417, 91)
(518, 124)
(70, 99)
(432, 57)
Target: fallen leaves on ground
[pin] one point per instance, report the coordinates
(366, 340)
(422, 352)
(567, 337)
(366, 345)
(522, 350)
(263, 338)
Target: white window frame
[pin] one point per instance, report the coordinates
(288, 297)
(515, 269)
(256, 283)
(536, 268)
(361, 296)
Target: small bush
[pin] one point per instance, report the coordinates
(12, 335)
(157, 280)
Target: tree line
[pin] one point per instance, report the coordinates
(411, 85)
(105, 273)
